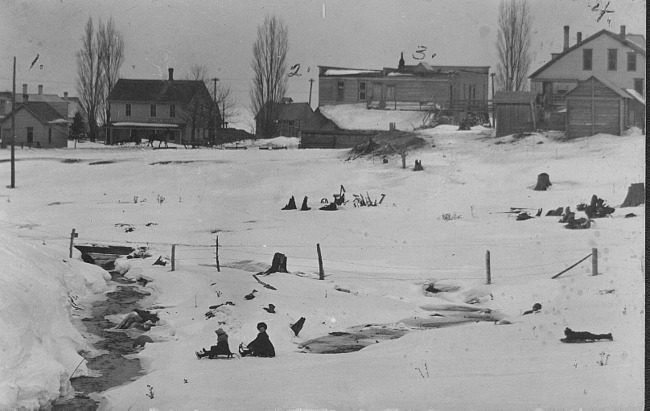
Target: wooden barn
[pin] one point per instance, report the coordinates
(598, 106)
(514, 112)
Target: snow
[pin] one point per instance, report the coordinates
(385, 256)
(358, 117)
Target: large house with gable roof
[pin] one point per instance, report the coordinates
(619, 59)
(179, 109)
(41, 120)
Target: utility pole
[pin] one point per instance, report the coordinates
(311, 83)
(494, 112)
(13, 130)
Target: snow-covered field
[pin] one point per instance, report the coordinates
(384, 256)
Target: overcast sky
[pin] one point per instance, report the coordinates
(219, 34)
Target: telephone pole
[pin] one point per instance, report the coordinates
(13, 130)
(311, 83)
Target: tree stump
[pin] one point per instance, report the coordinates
(635, 195)
(304, 205)
(291, 205)
(298, 326)
(279, 264)
(543, 182)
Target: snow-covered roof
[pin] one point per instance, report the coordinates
(638, 97)
(398, 74)
(348, 72)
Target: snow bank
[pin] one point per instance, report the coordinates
(39, 342)
(358, 117)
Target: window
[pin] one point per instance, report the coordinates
(472, 92)
(340, 91)
(128, 110)
(587, 55)
(49, 135)
(631, 61)
(172, 110)
(638, 86)
(611, 59)
(30, 135)
(153, 110)
(362, 91)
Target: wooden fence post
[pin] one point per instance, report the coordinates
(594, 261)
(321, 272)
(73, 235)
(173, 257)
(487, 267)
(217, 255)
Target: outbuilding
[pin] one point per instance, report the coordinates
(514, 112)
(597, 106)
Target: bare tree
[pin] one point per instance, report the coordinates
(111, 57)
(270, 71)
(98, 67)
(513, 44)
(89, 79)
(221, 94)
(200, 111)
(227, 104)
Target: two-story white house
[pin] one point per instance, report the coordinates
(181, 109)
(618, 58)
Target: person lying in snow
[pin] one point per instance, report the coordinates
(585, 336)
(222, 347)
(141, 319)
(260, 346)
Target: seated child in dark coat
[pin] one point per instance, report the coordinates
(260, 346)
(222, 347)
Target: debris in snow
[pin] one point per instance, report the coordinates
(160, 261)
(536, 308)
(251, 295)
(596, 208)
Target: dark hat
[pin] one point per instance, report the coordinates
(261, 325)
(220, 331)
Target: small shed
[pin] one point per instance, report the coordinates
(514, 112)
(596, 106)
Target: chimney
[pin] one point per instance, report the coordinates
(25, 96)
(579, 37)
(40, 89)
(171, 73)
(623, 32)
(566, 38)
